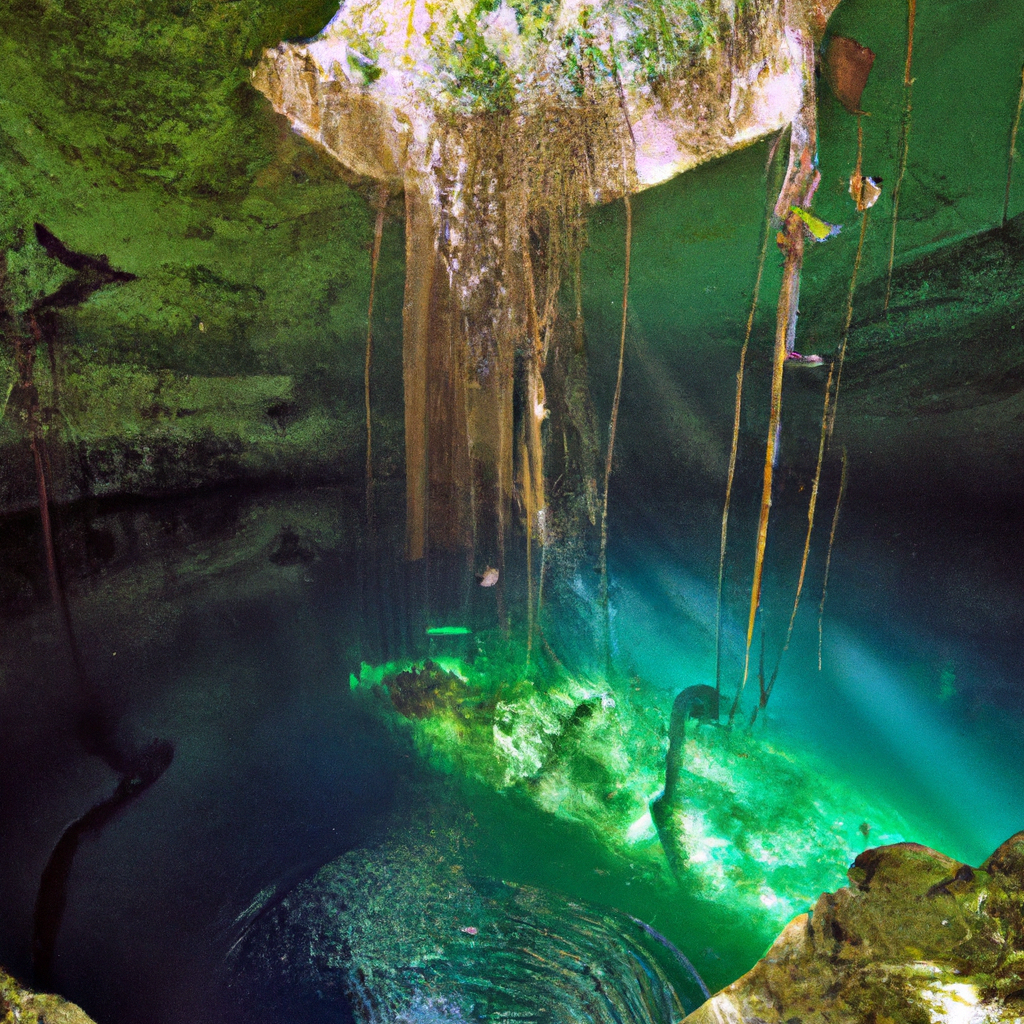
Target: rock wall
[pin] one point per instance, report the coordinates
(20, 1005)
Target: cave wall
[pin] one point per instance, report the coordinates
(237, 353)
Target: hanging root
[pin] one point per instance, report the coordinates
(787, 299)
(1013, 145)
(765, 230)
(846, 323)
(603, 559)
(828, 418)
(766, 691)
(801, 180)
(828, 557)
(378, 230)
(904, 143)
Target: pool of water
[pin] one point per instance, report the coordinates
(235, 625)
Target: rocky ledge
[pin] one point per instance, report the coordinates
(916, 938)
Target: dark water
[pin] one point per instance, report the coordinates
(195, 634)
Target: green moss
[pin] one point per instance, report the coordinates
(162, 86)
(479, 79)
(132, 131)
(667, 33)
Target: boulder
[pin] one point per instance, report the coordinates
(915, 938)
(27, 1007)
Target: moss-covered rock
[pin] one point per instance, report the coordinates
(916, 938)
(137, 136)
(21, 1005)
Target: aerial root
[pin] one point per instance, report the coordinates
(765, 231)
(904, 144)
(828, 558)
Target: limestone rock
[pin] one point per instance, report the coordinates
(503, 124)
(916, 938)
(373, 88)
(24, 1006)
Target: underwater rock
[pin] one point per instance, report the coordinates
(403, 933)
(28, 1007)
(421, 690)
(291, 549)
(915, 937)
(750, 825)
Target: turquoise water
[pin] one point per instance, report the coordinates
(281, 765)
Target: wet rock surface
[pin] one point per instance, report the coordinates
(916, 937)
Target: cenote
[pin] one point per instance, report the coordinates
(442, 577)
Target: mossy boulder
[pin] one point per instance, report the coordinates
(916, 937)
(20, 1005)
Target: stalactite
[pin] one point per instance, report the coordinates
(533, 453)
(1013, 146)
(828, 557)
(419, 274)
(904, 143)
(765, 231)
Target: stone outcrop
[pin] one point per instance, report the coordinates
(502, 126)
(916, 938)
(23, 1006)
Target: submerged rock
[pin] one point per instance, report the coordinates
(403, 933)
(28, 1007)
(916, 937)
(751, 824)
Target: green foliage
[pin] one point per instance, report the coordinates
(533, 16)
(585, 59)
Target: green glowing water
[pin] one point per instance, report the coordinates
(564, 767)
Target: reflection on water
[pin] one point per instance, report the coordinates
(253, 631)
